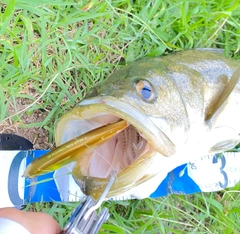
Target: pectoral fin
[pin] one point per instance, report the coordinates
(222, 101)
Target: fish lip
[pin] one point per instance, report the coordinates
(118, 108)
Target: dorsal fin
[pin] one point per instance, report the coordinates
(225, 94)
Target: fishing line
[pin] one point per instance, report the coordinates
(108, 162)
(33, 183)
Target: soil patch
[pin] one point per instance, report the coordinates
(37, 135)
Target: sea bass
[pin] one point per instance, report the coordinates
(146, 119)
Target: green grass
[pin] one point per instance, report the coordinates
(52, 52)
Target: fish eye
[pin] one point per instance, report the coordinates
(145, 89)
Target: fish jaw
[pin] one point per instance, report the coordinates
(140, 171)
(92, 170)
(139, 180)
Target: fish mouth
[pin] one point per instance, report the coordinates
(118, 152)
(132, 151)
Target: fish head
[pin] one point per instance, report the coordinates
(141, 95)
(138, 93)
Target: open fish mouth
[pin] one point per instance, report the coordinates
(103, 139)
(118, 152)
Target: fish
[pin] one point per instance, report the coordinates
(146, 119)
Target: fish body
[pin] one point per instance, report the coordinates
(176, 108)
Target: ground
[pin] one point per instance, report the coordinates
(37, 135)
